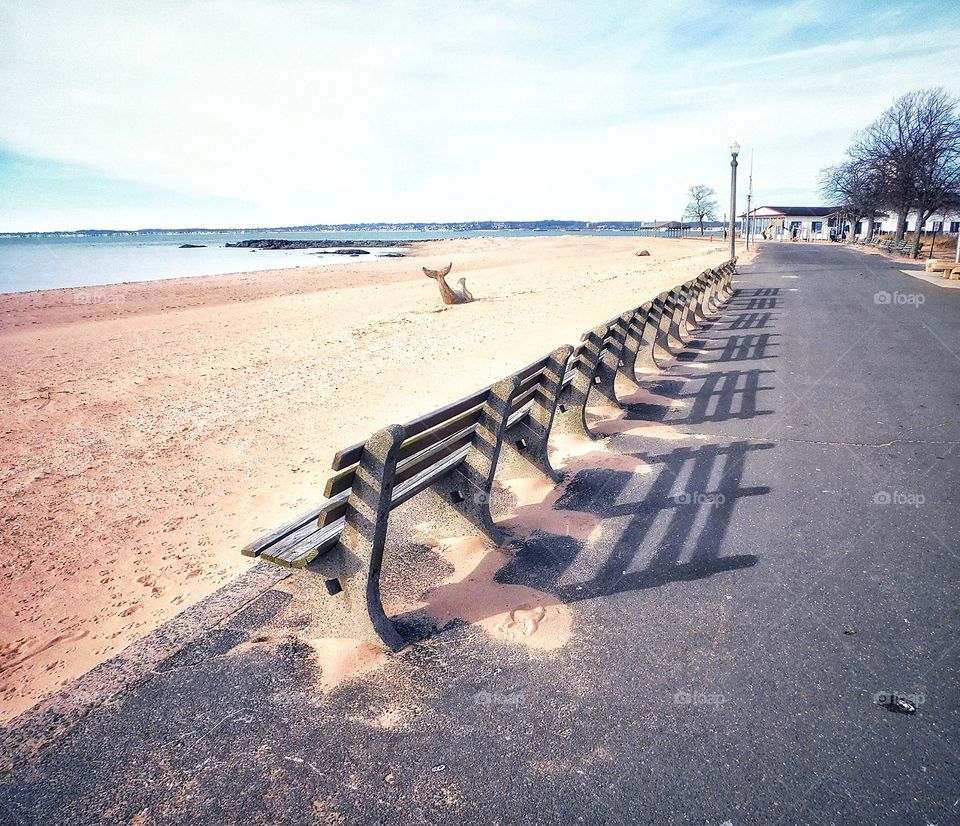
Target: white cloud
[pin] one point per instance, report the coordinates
(301, 112)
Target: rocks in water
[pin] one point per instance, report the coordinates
(643, 252)
(347, 251)
(192, 246)
(287, 244)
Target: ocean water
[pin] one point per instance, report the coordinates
(46, 263)
(51, 262)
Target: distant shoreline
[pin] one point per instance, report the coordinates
(547, 225)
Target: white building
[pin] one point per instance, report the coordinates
(788, 223)
(941, 223)
(816, 223)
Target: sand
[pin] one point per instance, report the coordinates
(152, 429)
(509, 613)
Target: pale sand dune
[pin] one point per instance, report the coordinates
(147, 436)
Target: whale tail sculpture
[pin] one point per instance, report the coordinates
(449, 296)
(463, 292)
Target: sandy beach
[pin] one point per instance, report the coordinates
(152, 429)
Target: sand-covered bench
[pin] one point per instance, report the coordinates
(454, 452)
(935, 265)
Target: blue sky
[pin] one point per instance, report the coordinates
(253, 113)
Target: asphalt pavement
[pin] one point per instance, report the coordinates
(764, 633)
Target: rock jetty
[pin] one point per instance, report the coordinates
(286, 244)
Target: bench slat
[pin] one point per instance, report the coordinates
(259, 545)
(454, 430)
(351, 455)
(294, 553)
(344, 479)
(294, 549)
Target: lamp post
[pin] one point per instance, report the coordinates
(734, 151)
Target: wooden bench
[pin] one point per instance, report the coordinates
(454, 452)
(933, 265)
(621, 344)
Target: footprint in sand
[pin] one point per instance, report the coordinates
(522, 622)
(151, 581)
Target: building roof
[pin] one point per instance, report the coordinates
(791, 211)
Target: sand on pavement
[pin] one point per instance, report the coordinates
(151, 429)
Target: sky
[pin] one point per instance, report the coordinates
(279, 112)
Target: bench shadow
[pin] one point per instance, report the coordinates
(668, 520)
(720, 396)
(714, 395)
(689, 514)
(655, 529)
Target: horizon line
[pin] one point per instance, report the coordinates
(355, 225)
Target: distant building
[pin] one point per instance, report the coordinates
(804, 223)
(681, 228)
(816, 223)
(942, 224)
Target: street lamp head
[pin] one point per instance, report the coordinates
(734, 149)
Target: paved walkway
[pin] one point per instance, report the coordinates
(792, 555)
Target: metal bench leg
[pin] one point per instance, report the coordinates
(699, 299)
(715, 276)
(571, 416)
(464, 493)
(360, 548)
(673, 327)
(726, 284)
(720, 290)
(526, 442)
(685, 321)
(714, 302)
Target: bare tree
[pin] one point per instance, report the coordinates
(855, 187)
(701, 207)
(914, 149)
